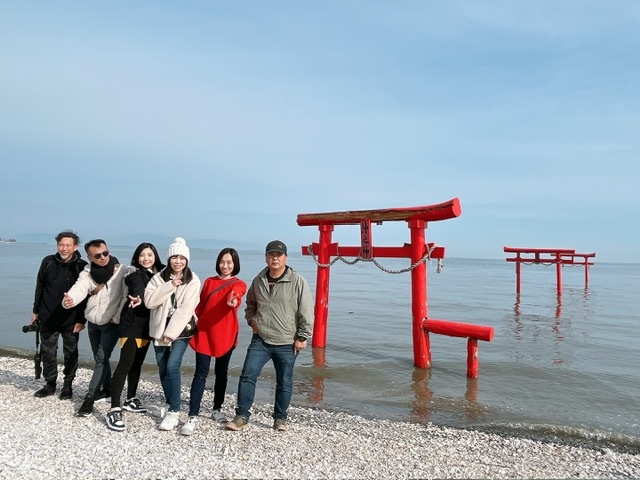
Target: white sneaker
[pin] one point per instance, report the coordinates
(189, 427)
(218, 416)
(170, 421)
(159, 412)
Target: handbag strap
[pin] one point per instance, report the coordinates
(174, 304)
(218, 288)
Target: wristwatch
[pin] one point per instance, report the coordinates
(302, 339)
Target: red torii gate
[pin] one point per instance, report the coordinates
(418, 251)
(550, 256)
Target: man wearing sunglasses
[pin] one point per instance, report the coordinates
(102, 282)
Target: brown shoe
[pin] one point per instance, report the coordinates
(238, 423)
(280, 425)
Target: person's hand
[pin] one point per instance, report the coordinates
(78, 327)
(177, 279)
(68, 301)
(34, 318)
(134, 301)
(232, 301)
(166, 340)
(298, 345)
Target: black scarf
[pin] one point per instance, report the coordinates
(103, 274)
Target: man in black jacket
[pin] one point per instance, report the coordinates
(56, 275)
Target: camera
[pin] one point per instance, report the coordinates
(31, 327)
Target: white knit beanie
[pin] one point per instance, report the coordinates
(178, 247)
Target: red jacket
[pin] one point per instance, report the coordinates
(217, 322)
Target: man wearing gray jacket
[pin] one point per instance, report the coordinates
(279, 309)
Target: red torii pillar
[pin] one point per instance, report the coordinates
(417, 218)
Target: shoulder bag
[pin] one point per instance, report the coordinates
(190, 328)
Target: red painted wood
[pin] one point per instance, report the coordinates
(458, 329)
(366, 242)
(417, 218)
(378, 252)
(419, 306)
(538, 250)
(558, 274)
(321, 309)
(473, 358)
(428, 213)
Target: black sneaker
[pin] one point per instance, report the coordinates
(134, 405)
(103, 396)
(46, 391)
(115, 420)
(66, 393)
(86, 408)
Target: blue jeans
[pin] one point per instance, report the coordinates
(103, 339)
(169, 360)
(258, 354)
(221, 369)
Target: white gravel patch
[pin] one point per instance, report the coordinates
(42, 438)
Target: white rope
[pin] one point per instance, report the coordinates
(427, 256)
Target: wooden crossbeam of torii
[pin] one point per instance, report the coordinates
(549, 256)
(428, 213)
(417, 219)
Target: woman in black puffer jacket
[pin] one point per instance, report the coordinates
(134, 335)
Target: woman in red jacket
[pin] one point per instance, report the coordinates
(217, 334)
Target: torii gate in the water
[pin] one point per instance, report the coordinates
(550, 256)
(419, 251)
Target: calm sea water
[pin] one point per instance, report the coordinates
(567, 368)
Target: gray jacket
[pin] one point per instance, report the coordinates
(283, 313)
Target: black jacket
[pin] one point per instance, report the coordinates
(56, 277)
(134, 322)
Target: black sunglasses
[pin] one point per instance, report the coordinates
(98, 256)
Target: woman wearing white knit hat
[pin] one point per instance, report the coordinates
(172, 296)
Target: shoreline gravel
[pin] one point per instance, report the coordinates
(42, 438)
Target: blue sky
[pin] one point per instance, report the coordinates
(227, 119)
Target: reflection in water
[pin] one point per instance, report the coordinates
(425, 404)
(517, 331)
(533, 322)
(472, 408)
(422, 404)
(556, 330)
(472, 390)
(559, 307)
(317, 382)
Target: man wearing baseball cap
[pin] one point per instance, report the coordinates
(279, 309)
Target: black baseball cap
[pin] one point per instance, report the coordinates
(276, 246)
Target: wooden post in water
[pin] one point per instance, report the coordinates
(470, 331)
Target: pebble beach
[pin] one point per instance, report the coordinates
(42, 438)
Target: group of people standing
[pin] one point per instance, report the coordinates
(149, 303)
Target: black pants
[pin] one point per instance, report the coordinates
(129, 368)
(49, 349)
